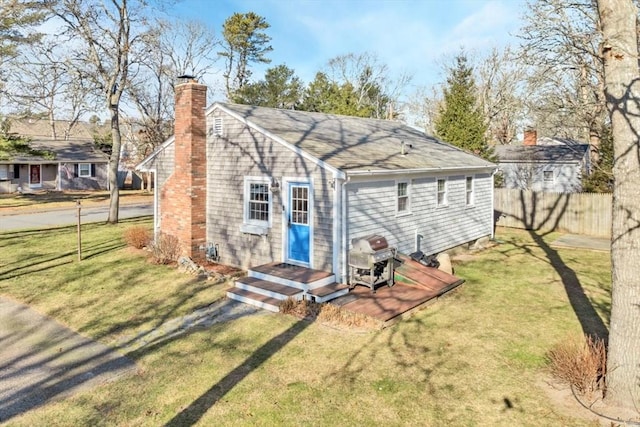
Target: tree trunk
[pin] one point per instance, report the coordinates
(114, 200)
(622, 89)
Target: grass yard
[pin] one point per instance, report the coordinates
(475, 358)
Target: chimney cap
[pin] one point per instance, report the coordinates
(185, 78)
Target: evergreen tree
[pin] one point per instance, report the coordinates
(18, 18)
(245, 42)
(281, 88)
(460, 121)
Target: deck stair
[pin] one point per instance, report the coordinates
(266, 286)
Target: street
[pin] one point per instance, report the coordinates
(58, 217)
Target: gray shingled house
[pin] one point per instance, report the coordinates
(264, 185)
(56, 165)
(544, 164)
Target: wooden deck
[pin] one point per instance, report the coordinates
(291, 272)
(415, 285)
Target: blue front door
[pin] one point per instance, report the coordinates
(298, 221)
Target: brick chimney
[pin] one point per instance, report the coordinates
(183, 196)
(530, 137)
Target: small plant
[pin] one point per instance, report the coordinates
(165, 249)
(137, 236)
(288, 306)
(328, 313)
(581, 363)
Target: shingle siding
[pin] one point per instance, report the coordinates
(372, 209)
(526, 176)
(240, 152)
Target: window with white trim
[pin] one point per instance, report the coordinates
(4, 171)
(470, 191)
(548, 176)
(84, 169)
(442, 192)
(257, 204)
(402, 193)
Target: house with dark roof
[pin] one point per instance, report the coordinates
(70, 161)
(255, 186)
(73, 164)
(544, 164)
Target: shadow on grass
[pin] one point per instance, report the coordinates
(192, 413)
(537, 217)
(591, 323)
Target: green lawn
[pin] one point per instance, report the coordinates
(473, 358)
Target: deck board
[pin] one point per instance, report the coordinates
(292, 272)
(418, 285)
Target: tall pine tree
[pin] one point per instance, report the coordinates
(460, 121)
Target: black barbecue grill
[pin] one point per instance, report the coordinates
(370, 262)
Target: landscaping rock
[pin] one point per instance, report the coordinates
(445, 263)
(482, 243)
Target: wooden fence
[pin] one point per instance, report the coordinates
(578, 213)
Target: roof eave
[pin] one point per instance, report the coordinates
(488, 168)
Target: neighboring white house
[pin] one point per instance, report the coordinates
(544, 164)
(268, 185)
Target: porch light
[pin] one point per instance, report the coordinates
(275, 185)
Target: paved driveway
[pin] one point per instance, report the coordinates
(41, 360)
(58, 217)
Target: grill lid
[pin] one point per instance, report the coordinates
(369, 244)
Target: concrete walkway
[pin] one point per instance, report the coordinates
(41, 360)
(575, 241)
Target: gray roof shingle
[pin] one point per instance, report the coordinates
(542, 153)
(72, 151)
(355, 144)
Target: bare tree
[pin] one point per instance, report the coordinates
(173, 49)
(104, 35)
(45, 80)
(561, 41)
(502, 96)
(371, 81)
(422, 107)
(619, 20)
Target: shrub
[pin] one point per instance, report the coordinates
(137, 236)
(581, 363)
(328, 313)
(165, 249)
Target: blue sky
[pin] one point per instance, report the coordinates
(410, 36)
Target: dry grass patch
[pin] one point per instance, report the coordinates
(580, 363)
(329, 314)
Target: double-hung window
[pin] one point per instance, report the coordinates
(402, 205)
(548, 176)
(442, 192)
(257, 205)
(84, 170)
(469, 190)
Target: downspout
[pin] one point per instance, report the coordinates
(156, 205)
(493, 208)
(337, 227)
(343, 221)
